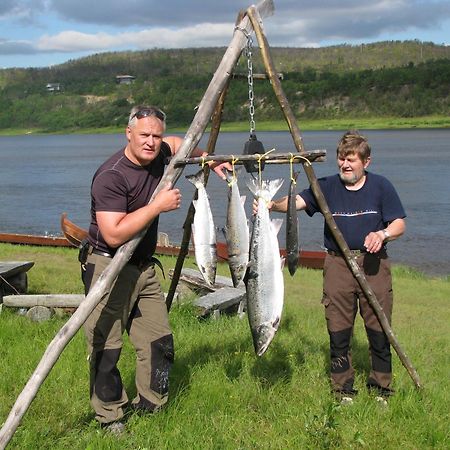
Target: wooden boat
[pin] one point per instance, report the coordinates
(31, 239)
(75, 234)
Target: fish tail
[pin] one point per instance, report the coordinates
(197, 179)
(253, 187)
(270, 187)
(273, 187)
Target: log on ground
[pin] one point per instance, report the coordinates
(47, 300)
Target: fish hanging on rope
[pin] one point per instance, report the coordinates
(236, 231)
(292, 247)
(264, 278)
(203, 231)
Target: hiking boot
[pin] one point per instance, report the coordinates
(116, 428)
(380, 391)
(345, 396)
(144, 406)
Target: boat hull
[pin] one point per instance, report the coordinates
(73, 235)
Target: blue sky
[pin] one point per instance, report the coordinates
(37, 33)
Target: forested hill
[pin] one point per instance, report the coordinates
(404, 79)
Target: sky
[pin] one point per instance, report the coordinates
(41, 33)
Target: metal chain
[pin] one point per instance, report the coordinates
(251, 95)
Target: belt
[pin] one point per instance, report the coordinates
(139, 263)
(98, 252)
(352, 252)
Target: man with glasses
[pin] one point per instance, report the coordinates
(120, 209)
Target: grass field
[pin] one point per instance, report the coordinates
(304, 125)
(221, 395)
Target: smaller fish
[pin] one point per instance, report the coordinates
(236, 232)
(203, 231)
(292, 228)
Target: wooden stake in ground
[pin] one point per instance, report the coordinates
(124, 253)
(351, 261)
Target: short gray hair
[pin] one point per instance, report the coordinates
(138, 112)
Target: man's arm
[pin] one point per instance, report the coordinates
(175, 143)
(281, 204)
(375, 240)
(118, 227)
(394, 230)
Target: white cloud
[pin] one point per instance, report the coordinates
(112, 25)
(209, 34)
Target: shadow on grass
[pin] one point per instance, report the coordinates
(291, 350)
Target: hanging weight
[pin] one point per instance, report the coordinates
(253, 147)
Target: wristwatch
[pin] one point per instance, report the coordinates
(386, 235)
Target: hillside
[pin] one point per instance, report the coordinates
(402, 79)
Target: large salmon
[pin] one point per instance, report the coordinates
(264, 280)
(203, 231)
(292, 228)
(236, 232)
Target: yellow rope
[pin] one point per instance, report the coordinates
(307, 161)
(291, 166)
(233, 163)
(259, 165)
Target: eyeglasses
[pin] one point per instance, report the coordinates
(149, 112)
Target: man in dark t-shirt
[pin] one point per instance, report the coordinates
(120, 209)
(368, 212)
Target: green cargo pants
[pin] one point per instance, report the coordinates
(135, 304)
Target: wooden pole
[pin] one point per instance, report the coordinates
(351, 261)
(187, 226)
(268, 158)
(124, 253)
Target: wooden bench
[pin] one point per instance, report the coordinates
(13, 277)
(213, 300)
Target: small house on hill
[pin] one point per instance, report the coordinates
(53, 87)
(125, 79)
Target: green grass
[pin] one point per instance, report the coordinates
(221, 395)
(304, 125)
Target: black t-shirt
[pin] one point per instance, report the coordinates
(119, 185)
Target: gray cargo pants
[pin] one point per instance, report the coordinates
(136, 304)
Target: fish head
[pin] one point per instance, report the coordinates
(237, 275)
(263, 335)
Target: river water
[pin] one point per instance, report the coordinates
(43, 176)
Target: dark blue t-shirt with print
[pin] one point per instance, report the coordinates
(359, 212)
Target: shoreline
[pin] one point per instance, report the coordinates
(375, 123)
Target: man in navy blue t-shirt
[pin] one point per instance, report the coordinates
(369, 213)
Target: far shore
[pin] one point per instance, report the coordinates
(375, 123)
